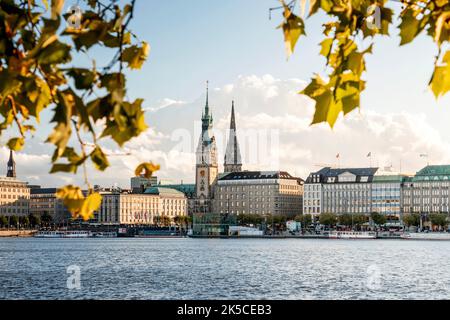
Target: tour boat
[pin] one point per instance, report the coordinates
(108, 234)
(352, 235)
(426, 236)
(63, 234)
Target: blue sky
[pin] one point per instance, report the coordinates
(234, 45)
(192, 41)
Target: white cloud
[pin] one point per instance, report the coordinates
(274, 133)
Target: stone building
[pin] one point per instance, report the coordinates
(427, 191)
(44, 201)
(339, 191)
(14, 194)
(143, 182)
(124, 207)
(259, 192)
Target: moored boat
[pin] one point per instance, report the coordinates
(426, 236)
(352, 235)
(63, 234)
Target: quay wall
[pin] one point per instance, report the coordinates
(17, 233)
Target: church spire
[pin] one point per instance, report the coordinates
(232, 122)
(232, 161)
(11, 167)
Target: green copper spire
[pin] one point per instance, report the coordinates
(206, 105)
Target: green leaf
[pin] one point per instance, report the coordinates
(56, 52)
(99, 159)
(135, 56)
(63, 167)
(84, 78)
(409, 27)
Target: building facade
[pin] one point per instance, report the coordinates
(123, 207)
(14, 197)
(189, 191)
(339, 191)
(428, 191)
(259, 192)
(143, 182)
(14, 194)
(44, 201)
(387, 195)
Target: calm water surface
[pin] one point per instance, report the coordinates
(225, 269)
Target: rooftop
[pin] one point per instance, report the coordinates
(327, 172)
(434, 172)
(163, 191)
(247, 175)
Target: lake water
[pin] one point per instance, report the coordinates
(126, 268)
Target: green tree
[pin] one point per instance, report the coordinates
(327, 219)
(46, 218)
(24, 221)
(378, 219)
(304, 219)
(350, 33)
(34, 220)
(42, 50)
(439, 219)
(345, 219)
(165, 221)
(13, 221)
(3, 221)
(412, 219)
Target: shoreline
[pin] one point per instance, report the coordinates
(17, 233)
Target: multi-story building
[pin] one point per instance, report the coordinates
(44, 201)
(143, 182)
(258, 192)
(14, 194)
(189, 191)
(123, 207)
(428, 191)
(387, 195)
(343, 190)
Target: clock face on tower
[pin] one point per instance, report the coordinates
(202, 173)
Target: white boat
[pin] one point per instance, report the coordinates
(352, 235)
(63, 234)
(426, 236)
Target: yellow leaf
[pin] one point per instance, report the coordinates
(440, 81)
(147, 169)
(57, 6)
(441, 29)
(72, 197)
(16, 144)
(77, 204)
(90, 204)
(293, 28)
